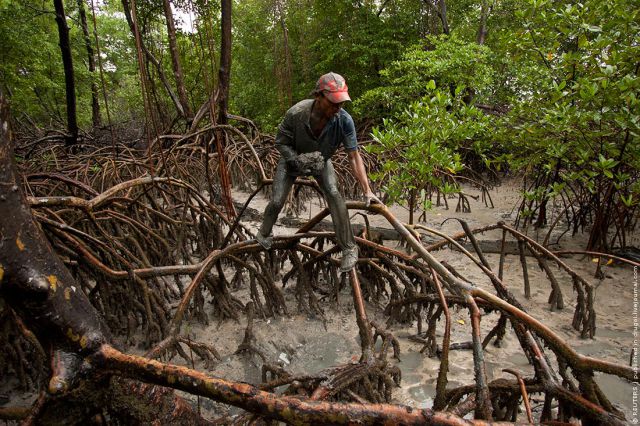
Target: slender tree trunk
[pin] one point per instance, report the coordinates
(482, 28)
(485, 9)
(95, 105)
(412, 205)
(287, 72)
(442, 12)
(175, 61)
(159, 113)
(223, 104)
(440, 8)
(224, 72)
(67, 62)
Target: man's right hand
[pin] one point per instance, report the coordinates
(297, 168)
(292, 165)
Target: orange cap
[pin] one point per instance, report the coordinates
(334, 87)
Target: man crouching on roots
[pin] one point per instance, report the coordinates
(311, 132)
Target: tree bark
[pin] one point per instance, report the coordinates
(95, 105)
(482, 28)
(224, 74)
(289, 409)
(287, 72)
(125, 400)
(175, 61)
(37, 284)
(442, 12)
(67, 62)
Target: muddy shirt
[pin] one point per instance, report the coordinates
(295, 136)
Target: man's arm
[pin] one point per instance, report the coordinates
(357, 165)
(284, 139)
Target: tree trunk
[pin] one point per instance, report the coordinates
(95, 105)
(287, 58)
(441, 10)
(442, 13)
(36, 283)
(175, 61)
(286, 73)
(482, 28)
(223, 104)
(224, 72)
(412, 204)
(67, 62)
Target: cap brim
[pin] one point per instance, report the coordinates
(337, 97)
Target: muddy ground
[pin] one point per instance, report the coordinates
(301, 343)
(305, 344)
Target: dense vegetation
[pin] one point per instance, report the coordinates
(448, 89)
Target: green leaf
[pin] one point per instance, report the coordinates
(627, 201)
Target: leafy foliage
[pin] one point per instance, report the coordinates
(31, 72)
(423, 147)
(576, 135)
(446, 60)
(31, 68)
(350, 38)
(426, 144)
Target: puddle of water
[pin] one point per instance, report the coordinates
(410, 361)
(324, 351)
(409, 365)
(619, 391)
(423, 395)
(594, 348)
(410, 379)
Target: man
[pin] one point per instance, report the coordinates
(311, 132)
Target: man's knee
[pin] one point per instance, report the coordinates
(333, 193)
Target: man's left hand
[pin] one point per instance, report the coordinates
(371, 198)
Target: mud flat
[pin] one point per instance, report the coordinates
(303, 344)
